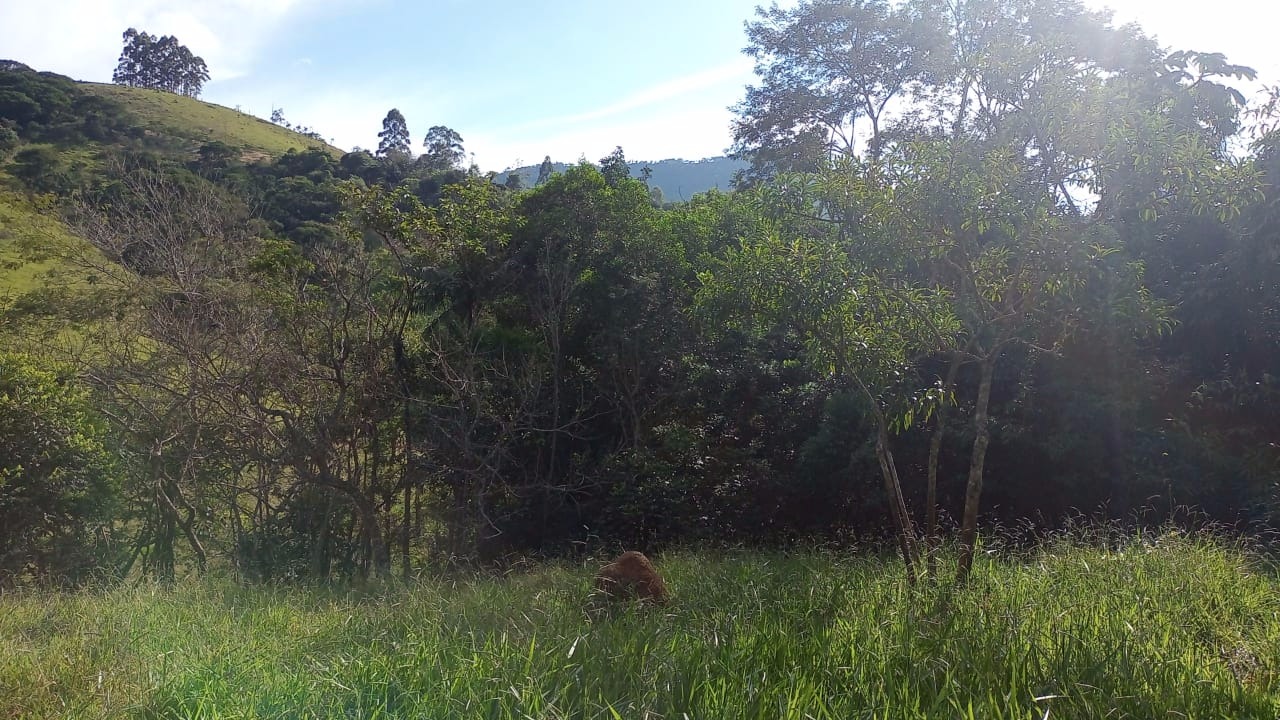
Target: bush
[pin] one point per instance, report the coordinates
(8, 142)
(56, 487)
(41, 169)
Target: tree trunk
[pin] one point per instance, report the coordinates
(320, 557)
(405, 531)
(973, 490)
(898, 504)
(932, 539)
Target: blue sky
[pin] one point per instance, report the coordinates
(518, 80)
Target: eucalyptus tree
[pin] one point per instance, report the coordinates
(393, 139)
(444, 149)
(160, 63)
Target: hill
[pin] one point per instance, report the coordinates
(56, 133)
(200, 122)
(678, 179)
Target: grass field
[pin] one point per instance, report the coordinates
(21, 226)
(199, 121)
(1167, 628)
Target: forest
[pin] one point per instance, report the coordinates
(990, 264)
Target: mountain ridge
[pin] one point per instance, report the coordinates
(677, 178)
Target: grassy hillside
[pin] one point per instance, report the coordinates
(22, 226)
(202, 122)
(1166, 627)
(189, 122)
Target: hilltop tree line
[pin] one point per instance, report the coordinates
(160, 63)
(993, 261)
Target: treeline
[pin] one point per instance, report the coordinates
(1011, 264)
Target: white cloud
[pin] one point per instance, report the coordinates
(686, 117)
(82, 38)
(736, 72)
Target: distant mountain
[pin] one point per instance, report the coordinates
(679, 179)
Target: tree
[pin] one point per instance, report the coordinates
(8, 142)
(166, 247)
(545, 171)
(444, 148)
(857, 329)
(160, 63)
(828, 67)
(393, 141)
(1009, 112)
(614, 167)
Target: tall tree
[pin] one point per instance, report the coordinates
(160, 63)
(614, 167)
(444, 148)
(393, 140)
(545, 171)
(830, 73)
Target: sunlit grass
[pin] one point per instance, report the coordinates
(202, 122)
(1167, 627)
(24, 229)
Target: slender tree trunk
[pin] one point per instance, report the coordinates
(320, 557)
(165, 534)
(892, 486)
(405, 530)
(973, 490)
(932, 538)
(898, 504)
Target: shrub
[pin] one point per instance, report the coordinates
(56, 487)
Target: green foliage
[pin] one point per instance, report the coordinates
(44, 107)
(319, 361)
(393, 139)
(57, 490)
(41, 169)
(849, 321)
(8, 142)
(160, 63)
(1149, 627)
(444, 148)
(614, 167)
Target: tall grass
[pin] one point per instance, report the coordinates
(1171, 627)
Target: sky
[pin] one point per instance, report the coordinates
(519, 80)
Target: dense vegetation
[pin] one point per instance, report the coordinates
(1012, 264)
(1158, 627)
